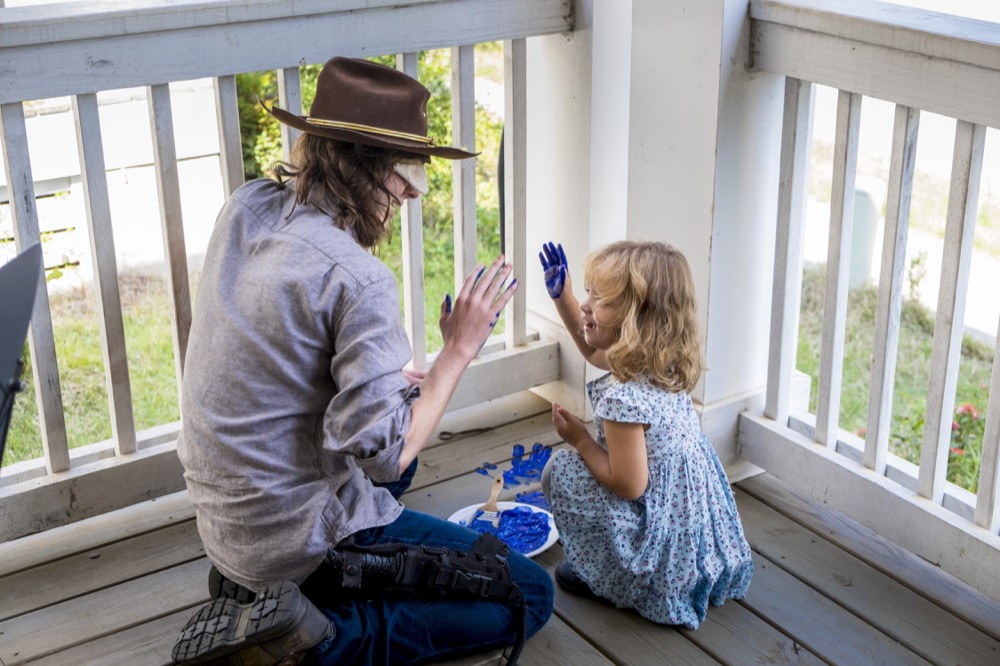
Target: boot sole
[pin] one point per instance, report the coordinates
(280, 621)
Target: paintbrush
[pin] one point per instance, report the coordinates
(490, 510)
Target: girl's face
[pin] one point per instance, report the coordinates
(600, 318)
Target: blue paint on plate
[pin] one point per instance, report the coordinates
(521, 528)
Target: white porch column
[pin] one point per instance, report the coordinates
(558, 180)
(682, 147)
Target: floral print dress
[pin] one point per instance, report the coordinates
(680, 546)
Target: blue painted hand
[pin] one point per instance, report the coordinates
(555, 266)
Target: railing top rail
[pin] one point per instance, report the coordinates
(105, 18)
(111, 44)
(962, 39)
(861, 46)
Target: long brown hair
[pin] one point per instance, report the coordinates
(657, 312)
(353, 175)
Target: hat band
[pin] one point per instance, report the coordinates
(335, 124)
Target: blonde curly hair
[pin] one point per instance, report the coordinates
(651, 286)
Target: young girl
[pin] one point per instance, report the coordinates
(644, 511)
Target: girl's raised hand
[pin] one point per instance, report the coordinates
(570, 428)
(468, 324)
(556, 268)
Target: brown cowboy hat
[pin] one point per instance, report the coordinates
(364, 102)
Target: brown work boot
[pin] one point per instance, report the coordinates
(277, 627)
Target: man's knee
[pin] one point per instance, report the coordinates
(538, 590)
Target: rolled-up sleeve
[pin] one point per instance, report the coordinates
(369, 414)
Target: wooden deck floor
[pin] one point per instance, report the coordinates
(117, 589)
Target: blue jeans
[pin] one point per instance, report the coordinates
(405, 630)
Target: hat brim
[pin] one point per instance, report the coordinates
(377, 140)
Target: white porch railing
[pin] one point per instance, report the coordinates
(85, 48)
(920, 62)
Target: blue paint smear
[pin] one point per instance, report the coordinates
(526, 468)
(521, 528)
(484, 470)
(534, 498)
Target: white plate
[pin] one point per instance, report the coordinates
(464, 517)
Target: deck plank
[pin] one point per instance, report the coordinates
(876, 550)
(103, 612)
(146, 644)
(30, 551)
(929, 630)
(555, 644)
(734, 635)
(624, 636)
(785, 601)
(99, 568)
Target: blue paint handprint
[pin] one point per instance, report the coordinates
(526, 468)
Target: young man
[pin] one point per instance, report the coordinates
(300, 426)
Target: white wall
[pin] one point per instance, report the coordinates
(559, 188)
(611, 169)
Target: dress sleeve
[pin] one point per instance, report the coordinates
(370, 410)
(624, 403)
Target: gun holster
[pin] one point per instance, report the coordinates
(423, 571)
(398, 569)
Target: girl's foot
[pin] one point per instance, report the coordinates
(570, 580)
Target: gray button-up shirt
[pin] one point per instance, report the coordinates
(293, 395)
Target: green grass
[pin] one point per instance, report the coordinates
(150, 354)
(911, 380)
